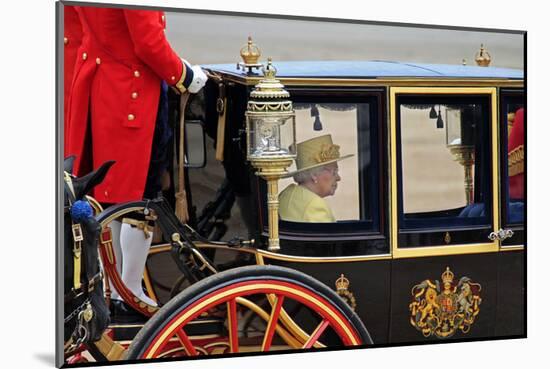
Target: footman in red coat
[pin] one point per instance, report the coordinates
(123, 67)
(72, 38)
(516, 157)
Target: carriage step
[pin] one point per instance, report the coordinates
(197, 329)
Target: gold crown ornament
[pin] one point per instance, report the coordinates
(483, 58)
(342, 283)
(269, 87)
(447, 276)
(250, 53)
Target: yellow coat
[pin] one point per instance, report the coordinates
(298, 204)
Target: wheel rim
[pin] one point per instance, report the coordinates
(327, 313)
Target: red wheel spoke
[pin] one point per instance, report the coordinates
(272, 324)
(223, 297)
(186, 342)
(232, 325)
(316, 334)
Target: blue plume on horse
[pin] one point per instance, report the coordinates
(81, 210)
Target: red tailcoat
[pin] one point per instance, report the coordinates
(72, 38)
(516, 157)
(123, 58)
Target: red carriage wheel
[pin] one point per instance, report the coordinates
(326, 318)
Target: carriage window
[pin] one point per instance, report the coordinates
(332, 184)
(326, 166)
(513, 168)
(515, 162)
(445, 181)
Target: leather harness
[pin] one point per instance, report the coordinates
(79, 288)
(84, 313)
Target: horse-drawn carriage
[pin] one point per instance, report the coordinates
(427, 241)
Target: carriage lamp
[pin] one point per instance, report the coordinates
(460, 142)
(271, 140)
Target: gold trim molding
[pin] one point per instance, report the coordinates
(387, 82)
(443, 249)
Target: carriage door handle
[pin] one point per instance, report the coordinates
(501, 234)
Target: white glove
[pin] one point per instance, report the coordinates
(199, 79)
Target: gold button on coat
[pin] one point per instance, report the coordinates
(173, 78)
(98, 61)
(65, 40)
(131, 117)
(84, 56)
(162, 17)
(134, 95)
(136, 73)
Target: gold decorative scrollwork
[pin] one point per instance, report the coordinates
(342, 290)
(256, 106)
(441, 310)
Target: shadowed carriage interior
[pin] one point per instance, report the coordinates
(238, 323)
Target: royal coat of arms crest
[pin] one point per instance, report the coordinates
(342, 289)
(441, 310)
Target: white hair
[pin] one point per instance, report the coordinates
(304, 176)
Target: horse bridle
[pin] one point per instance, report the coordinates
(84, 311)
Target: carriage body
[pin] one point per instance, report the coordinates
(409, 203)
(429, 238)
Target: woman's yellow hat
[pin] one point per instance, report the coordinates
(316, 152)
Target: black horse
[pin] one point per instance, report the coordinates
(86, 314)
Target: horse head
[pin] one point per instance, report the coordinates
(86, 312)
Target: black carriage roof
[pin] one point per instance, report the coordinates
(372, 70)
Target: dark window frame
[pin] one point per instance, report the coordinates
(364, 230)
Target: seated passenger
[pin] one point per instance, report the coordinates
(316, 176)
(516, 157)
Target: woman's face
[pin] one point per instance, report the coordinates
(327, 180)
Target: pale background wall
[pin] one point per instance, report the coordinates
(209, 38)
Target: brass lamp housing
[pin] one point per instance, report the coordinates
(459, 143)
(464, 155)
(271, 140)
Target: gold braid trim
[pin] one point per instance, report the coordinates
(179, 85)
(516, 161)
(510, 117)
